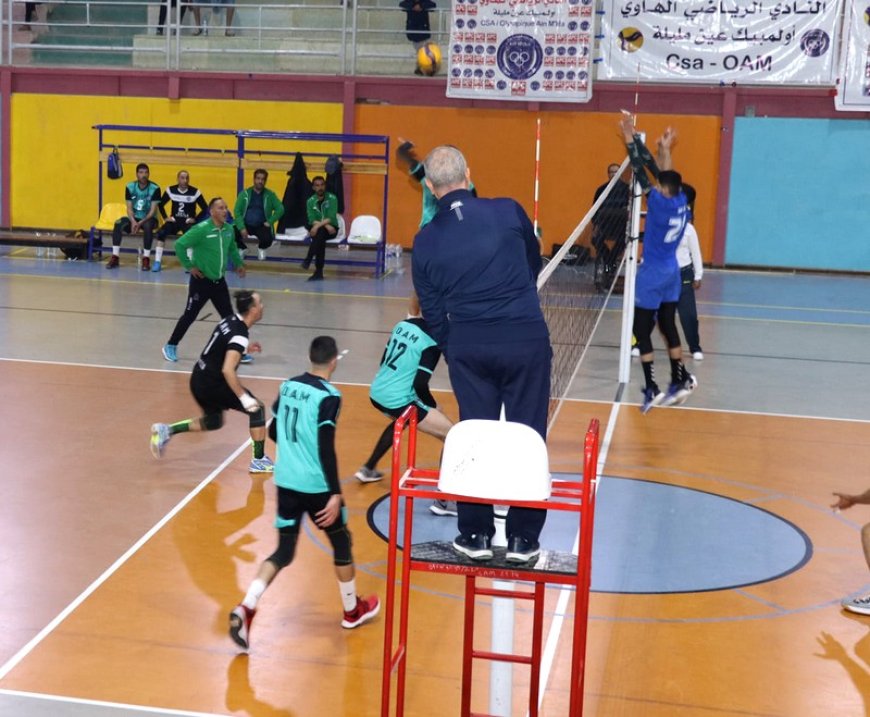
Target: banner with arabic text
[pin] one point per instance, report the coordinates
(853, 92)
(529, 50)
(755, 42)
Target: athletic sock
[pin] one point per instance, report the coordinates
(255, 592)
(146, 253)
(649, 373)
(180, 426)
(116, 251)
(348, 594)
(678, 371)
(158, 253)
(259, 448)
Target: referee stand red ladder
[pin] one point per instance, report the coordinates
(468, 474)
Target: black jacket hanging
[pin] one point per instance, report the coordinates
(295, 196)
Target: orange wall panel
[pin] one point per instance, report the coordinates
(500, 148)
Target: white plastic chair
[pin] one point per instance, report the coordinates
(365, 229)
(293, 234)
(495, 460)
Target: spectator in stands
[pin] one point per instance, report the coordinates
(143, 200)
(231, 11)
(184, 200)
(417, 22)
(256, 211)
(322, 208)
(161, 21)
(29, 12)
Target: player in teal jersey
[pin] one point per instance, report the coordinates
(402, 380)
(306, 475)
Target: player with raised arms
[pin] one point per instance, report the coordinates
(658, 285)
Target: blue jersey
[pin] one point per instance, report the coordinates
(305, 404)
(665, 223)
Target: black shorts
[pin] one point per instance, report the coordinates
(292, 505)
(214, 396)
(422, 410)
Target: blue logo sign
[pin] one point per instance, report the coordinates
(815, 43)
(519, 57)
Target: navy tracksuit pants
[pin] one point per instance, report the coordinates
(484, 376)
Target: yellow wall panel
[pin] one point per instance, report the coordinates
(54, 150)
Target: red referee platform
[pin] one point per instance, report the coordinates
(506, 464)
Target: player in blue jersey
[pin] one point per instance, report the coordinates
(402, 380)
(306, 475)
(658, 285)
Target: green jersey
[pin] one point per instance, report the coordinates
(141, 198)
(212, 246)
(306, 408)
(409, 349)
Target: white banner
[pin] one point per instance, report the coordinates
(529, 50)
(726, 41)
(853, 92)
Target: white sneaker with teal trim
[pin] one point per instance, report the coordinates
(160, 436)
(261, 465)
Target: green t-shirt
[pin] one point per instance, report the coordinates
(393, 386)
(305, 404)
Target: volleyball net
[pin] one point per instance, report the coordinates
(576, 284)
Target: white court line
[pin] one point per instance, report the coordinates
(549, 653)
(109, 705)
(67, 611)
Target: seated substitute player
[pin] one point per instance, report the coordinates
(142, 198)
(322, 211)
(216, 387)
(658, 277)
(402, 380)
(185, 202)
(306, 475)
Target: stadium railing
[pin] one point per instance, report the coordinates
(313, 37)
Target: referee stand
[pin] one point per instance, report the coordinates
(473, 472)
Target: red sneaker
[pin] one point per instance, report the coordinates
(113, 262)
(365, 610)
(240, 625)
(146, 263)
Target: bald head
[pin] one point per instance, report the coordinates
(446, 170)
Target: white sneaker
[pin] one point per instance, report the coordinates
(698, 355)
(861, 605)
(261, 254)
(635, 352)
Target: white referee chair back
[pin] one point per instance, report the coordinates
(340, 233)
(365, 229)
(496, 460)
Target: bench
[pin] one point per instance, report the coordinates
(365, 232)
(51, 238)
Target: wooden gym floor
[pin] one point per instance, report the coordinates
(118, 570)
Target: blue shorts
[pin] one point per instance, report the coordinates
(656, 286)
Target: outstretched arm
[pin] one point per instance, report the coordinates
(663, 148)
(638, 154)
(845, 500)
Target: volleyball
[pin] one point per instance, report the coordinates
(429, 58)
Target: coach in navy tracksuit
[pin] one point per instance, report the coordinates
(474, 268)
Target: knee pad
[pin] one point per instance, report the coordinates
(212, 421)
(283, 555)
(258, 418)
(339, 536)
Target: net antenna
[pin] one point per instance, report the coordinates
(576, 284)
